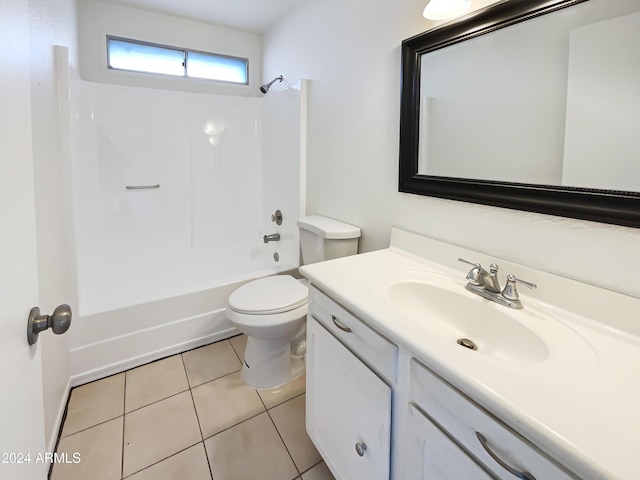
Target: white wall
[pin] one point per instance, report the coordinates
(98, 19)
(52, 24)
(350, 52)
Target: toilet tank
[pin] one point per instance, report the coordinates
(323, 238)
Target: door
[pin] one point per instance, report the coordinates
(22, 443)
(431, 454)
(348, 409)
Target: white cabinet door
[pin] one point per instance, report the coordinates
(432, 455)
(348, 406)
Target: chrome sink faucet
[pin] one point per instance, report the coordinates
(487, 285)
(479, 277)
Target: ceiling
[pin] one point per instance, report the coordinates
(251, 15)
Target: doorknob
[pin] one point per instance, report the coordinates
(59, 322)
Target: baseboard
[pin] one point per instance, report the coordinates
(55, 433)
(114, 355)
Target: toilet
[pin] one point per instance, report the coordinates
(272, 311)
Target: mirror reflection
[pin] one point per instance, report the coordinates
(554, 100)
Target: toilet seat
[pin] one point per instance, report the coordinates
(269, 296)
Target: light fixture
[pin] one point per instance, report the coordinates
(445, 9)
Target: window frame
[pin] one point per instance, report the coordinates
(185, 55)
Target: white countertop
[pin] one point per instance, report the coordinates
(581, 409)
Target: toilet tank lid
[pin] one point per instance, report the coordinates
(328, 227)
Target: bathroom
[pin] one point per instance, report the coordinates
(349, 53)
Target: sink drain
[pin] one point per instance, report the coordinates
(466, 343)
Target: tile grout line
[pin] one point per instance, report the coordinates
(235, 425)
(285, 445)
(161, 460)
(261, 400)
(88, 428)
(284, 401)
(235, 351)
(157, 401)
(312, 467)
(213, 379)
(193, 402)
(124, 412)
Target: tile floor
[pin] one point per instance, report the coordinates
(188, 417)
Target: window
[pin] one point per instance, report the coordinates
(136, 56)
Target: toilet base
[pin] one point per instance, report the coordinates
(269, 363)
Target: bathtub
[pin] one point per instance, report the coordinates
(112, 341)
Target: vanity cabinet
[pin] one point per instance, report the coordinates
(495, 447)
(348, 414)
(437, 431)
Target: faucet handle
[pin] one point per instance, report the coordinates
(468, 262)
(510, 292)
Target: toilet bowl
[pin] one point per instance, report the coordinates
(272, 311)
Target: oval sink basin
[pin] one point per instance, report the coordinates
(443, 306)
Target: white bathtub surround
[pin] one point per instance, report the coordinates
(203, 224)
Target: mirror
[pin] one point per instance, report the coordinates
(533, 105)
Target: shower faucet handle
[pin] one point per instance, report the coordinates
(277, 217)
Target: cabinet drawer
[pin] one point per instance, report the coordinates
(375, 350)
(470, 425)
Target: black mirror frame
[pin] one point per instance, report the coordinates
(607, 206)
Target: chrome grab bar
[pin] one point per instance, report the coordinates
(141, 187)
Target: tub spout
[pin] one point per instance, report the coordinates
(274, 237)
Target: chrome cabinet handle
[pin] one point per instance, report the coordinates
(361, 447)
(511, 470)
(339, 325)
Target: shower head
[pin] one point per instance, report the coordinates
(265, 88)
